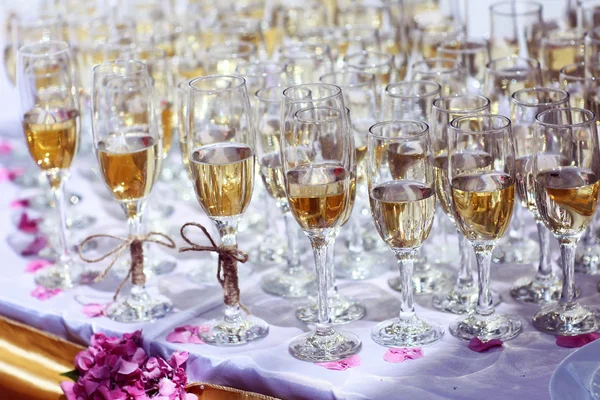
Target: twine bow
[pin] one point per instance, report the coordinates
(135, 243)
(229, 256)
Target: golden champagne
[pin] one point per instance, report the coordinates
(406, 161)
(361, 152)
(567, 198)
(557, 56)
(273, 38)
(129, 164)
(52, 137)
(271, 172)
(190, 71)
(318, 195)
(166, 118)
(483, 204)
(223, 176)
(403, 212)
(351, 198)
(505, 84)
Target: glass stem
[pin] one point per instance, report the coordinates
(465, 271)
(483, 254)
(293, 256)
(568, 247)
(545, 267)
(406, 263)
(227, 228)
(321, 248)
(332, 289)
(58, 192)
(356, 245)
(138, 294)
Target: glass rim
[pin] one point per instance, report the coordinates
(570, 75)
(532, 62)
(564, 36)
(184, 85)
(261, 94)
(265, 63)
(590, 114)
(436, 104)
(482, 44)
(306, 55)
(436, 89)
(520, 103)
(140, 67)
(369, 78)
(232, 78)
(336, 117)
(27, 50)
(387, 59)
(458, 67)
(424, 129)
(455, 121)
(534, 8)
(250, 49)
(337, 91)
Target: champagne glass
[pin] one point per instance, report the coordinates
(224, 58)
(128, 147)
(360, 94)
(241, 30)
(566, 171)
(293, 280)
(341, 309)
(221, 148)
(473, 54)
(504, 76)
(560, 48)
(429, 34)
(409, 100)
(378, 63)
(371, 14)
(588, 15)
(318, 163)
(483, 197)
(462, 297)
(516, 28)
(306, 62)
(401, 188)
(50, 116)
(449, 73)
(262, 74)
(293, 18)
(526, 104)
(573, 80)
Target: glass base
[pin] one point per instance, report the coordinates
(268, 254)
(567, 319)
(326, 346)
(486, 327)
(587, 259)
(425, 281)
(297, 283)
(539, 290)
(139, 308)
(57, 277)
(522, 250)
(342, 310)
(462, 300)
(359, 266)
(413, 332)
(235, 331)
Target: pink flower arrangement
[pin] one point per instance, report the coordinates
(119, 369)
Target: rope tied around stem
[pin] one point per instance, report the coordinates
(135, 244)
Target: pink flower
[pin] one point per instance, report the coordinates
(67, 388)
(342, 365)
(19, 203)
(9, 175)
(36, 265)
(94, 310)
(477, 345)
(5, 148)
(35, 247)
(28, 225)
(398, 355)
(576, 341)
(41, 293)
(187, 334)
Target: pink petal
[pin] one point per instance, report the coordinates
(477, 345)
(397, 355)
(5, 148)
(41, 293)
(196, 340)
(35, 247)
(28, 225)
(342, 365)
(203, 328)
(94, 310)
(178, 358)
(188, 396)
(19, 203)
(166, 387)
(127, 367)
(179, 337)
(576, 341)
(67, 388)
(36, 265)
(9, 175)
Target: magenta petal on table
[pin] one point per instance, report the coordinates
(9, 175)
(41, 293)
(398, 355)
(576, 341)
(185, 334)
(94, 310)
(5, 148)
(342, 365)
(28, 225)
(67, 388)
(35, 246)
(36, 265)
(19, 203)
(477, 345)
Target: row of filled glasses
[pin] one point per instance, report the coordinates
(309, 159)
